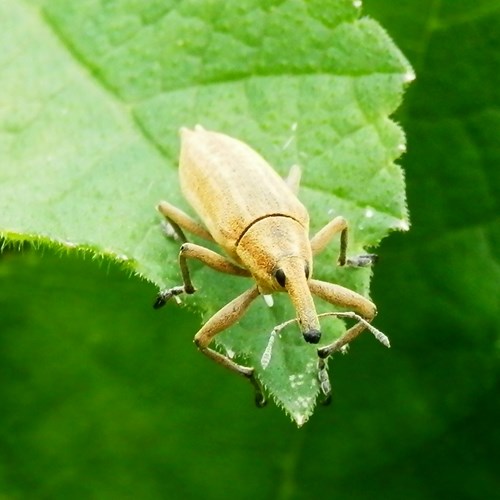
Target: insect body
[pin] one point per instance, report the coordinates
(256, 218)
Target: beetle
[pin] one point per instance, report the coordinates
(256, 218)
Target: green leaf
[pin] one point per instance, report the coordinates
(89, 145)
(101, 398)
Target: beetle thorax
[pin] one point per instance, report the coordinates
(269, 242)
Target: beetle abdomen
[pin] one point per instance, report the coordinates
(230, 185)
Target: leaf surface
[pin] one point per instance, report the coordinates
(97, 92)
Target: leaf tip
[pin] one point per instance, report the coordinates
(402, 225)
(409, 76)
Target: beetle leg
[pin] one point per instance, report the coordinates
(180, 220)
(364, 260)
(341, 296)
(324, 382)
(293, 178)
(220, 321)
(339, 225)
(208, 257)
(321, 239)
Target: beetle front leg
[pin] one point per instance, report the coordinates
(340, 296)
(210, 258)
(323, 237)
(343, 297)
(220, 321)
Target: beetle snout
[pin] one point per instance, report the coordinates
(312, 336)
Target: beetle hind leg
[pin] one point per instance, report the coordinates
(293, 178)
(179, 220)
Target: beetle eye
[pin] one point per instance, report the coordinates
(306, 270)
(280, 277)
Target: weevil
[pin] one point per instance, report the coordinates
(256, 218)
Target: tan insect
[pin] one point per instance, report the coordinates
(256, 218)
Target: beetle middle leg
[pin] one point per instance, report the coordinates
(180, 221)
(323, 237)
(208, 257)
(220, 321)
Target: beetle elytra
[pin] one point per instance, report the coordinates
(256, 218)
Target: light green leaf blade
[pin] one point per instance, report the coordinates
(89, 145)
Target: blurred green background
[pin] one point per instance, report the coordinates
(91, 411)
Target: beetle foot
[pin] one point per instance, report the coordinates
(165, 295)
(170, 232)
(326, 400)
(366, 260)
(324, 382)
(260, 398)
(327, 350)
(324, 352)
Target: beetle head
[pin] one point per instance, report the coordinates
(276, 250)
(292, 275)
